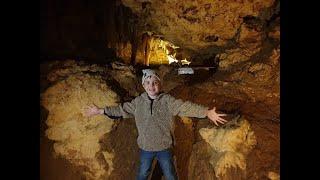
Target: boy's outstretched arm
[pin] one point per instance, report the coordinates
(189, 109)
(125, 110)
(216, 117)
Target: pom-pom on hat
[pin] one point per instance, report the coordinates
(147, 73)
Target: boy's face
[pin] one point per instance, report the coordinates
(152, 86)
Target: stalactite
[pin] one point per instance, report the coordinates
(146, 45)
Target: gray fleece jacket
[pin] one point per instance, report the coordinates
(154, 120)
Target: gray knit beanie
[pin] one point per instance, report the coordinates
(147, 73)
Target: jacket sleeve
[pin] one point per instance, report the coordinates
(125, 110)
(186, 108)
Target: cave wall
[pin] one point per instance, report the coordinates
(203, 28)
(103, 31)
(242, 36)
(84, 29)
(98, 147)
(262, 162)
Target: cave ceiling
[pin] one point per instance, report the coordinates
(201, 27)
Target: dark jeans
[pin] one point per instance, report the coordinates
(165, 160)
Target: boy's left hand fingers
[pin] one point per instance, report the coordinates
(223, 120)
(220, 121)
(215, 122)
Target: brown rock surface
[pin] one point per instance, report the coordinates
(263, 117)
(126, 77)
(230, 146)
(196, 25)
(76, 136)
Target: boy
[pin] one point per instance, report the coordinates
(153, 112)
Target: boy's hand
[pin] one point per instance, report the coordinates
(93, 110)
(215, 117)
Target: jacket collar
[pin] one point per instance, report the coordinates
(145, 96)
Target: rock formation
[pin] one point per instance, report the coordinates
(77, 137)
(230, 146)
(200, 26)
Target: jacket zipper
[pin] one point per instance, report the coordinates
(151, 105)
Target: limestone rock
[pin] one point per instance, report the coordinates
(77, 137)
(275, 30)
(61, 70)
(109, 159)
(250, 38)
(196, 25)
(275, 33)
(273, 176)
(126, 77)
(170, 77)
(255, 80)
(230, 146)
(275, 56)
(250, 42)
(234, 56)
(123, 50)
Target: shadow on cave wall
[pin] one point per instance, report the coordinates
(83, 29)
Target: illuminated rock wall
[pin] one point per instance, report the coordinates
(199, 26)
(151, 51)
(228, 149)
(76, 137)
(230, 146)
